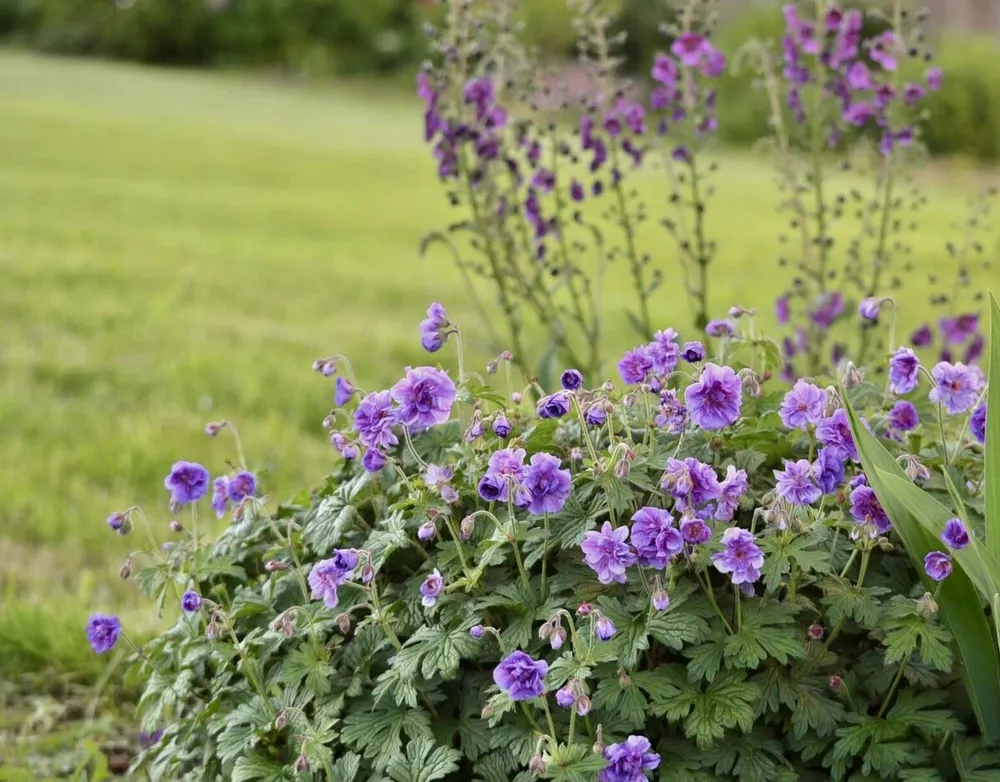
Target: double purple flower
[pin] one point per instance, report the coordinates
(740, 556)
(521, 676)
(425, 397)
(607, 553)
(715, 400)
(655, 538)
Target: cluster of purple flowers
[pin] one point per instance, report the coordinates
(541, 486)
(956, 332)
(652, 363)
(234, 489)
(329, 574)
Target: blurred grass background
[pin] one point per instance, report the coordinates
(178, 246)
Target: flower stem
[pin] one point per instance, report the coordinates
(531, 718)
(548, 717)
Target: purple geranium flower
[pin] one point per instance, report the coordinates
(719, 328)
(834, 431)
(628, 761)
(664, 352)
(425, 397)
(829, 307)
(242, 485)
(977, 424)
(829, 469)
(103, 632)
(922, 337)
(220, 495)
(147, 740)
(796, 484)
(431, 588)
(604, 628)
(955, 534)
(803, 405)
(571, 379)
(434, 328)
(782, 310)
(904, 371)
(521, 676)
(554, 405)
(695, 531)
(373, 460)
(664, 70)
(937, 565)
(328, 574)
(374, 419)
(654, 537)
(607, 553)
(343, 391)
(635, 366)
(903, 416)
(866, 509)
(190, 601)
(548, 487)
(672, 414)
(437, 476)
(868, 309)
(506, 466)
(187, 482)
(565, 697)
(691, 482)
(740, 557)
(693, 352)
(595, 415)
(934, 79)
(956, 386)
(715, 400)
(731, 489)
(501, 426)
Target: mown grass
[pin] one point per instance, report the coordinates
(177, 247)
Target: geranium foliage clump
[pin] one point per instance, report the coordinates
(678, 575)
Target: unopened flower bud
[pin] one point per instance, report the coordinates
(476, 631)
(274, 565)
(328, 422)
(317, 365)
(914, 470)
(833, 403)
(836, 683)
(212, 631)
(506, 356)
(545, 631)
(751, 384)
(329, 368)
(599, 743)
(281, 720)
(624, 680)
(491, 367)
(288, 629)
(584, 609)
(661, 600)
(117, 522)
(516, 397)
(537, 765)
(427, 531)
(608, 386)
(576, 454)
(467, 527)
(167, 545)
(738, 312)
(367, 574)
(926, 607)
(851, 376)
(126, 569)
(583, 705)
(343, 622)
(557, 638)
(302, 764)
(176, 526)
(213, 428)
(622, 469)
(815, 632)
(487, 711)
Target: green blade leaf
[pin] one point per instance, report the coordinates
(992, 488)
(961, 607)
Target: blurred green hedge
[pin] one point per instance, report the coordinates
(382, 36)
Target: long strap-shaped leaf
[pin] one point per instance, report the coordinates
(992, 464)
(961, 607)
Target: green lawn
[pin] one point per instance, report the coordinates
(178, 247)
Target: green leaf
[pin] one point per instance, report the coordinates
(258, 766)
(378, 734)
(625, 702)
(423, 762)
(346, 768)
(326, 525)
(576, 763)
(304, 664)
(992, 458)
(960, 604)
